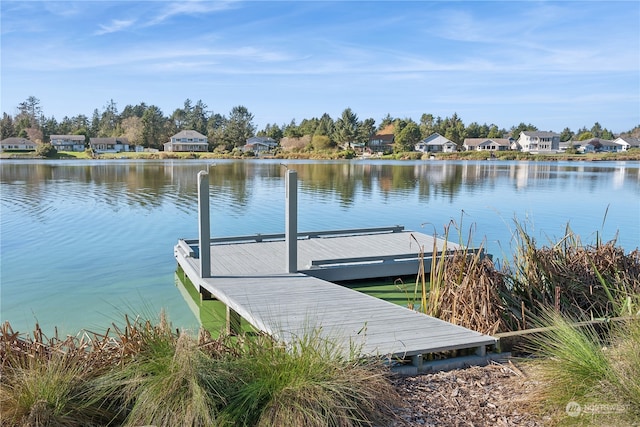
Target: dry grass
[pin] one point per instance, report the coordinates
(577, 280)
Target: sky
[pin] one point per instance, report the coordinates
(551, 64)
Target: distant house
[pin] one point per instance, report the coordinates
(535, 141)
(486, 144)
(187, 140)
(17, 144)
(613, 146)
(627, 142)
(382, 141)
(67, 142)
(580, 146)
(259, 145)
(109, 145)
(604, 145)
(436, 143)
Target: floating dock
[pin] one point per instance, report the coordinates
(282, 284)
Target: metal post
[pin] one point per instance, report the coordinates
(291, 221)
(204, 224)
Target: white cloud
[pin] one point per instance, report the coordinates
(115, 26)
(191, 7)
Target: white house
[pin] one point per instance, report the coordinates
(109, 145)
(187, 140)
(259, 145)
(436, 143)
(535, 141)
(20, 144)
(486, 144)
(67, 142)
(627, 142)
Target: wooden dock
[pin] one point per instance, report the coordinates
(254, 278)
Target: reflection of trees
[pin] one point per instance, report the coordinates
(149, 184)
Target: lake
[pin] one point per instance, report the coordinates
(85, 242)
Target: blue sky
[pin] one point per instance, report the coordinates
(551, 64)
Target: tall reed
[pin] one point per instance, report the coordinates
(464, 286)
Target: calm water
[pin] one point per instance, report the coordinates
(83, 242)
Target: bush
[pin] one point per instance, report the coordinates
(310, 383)
(46, 150)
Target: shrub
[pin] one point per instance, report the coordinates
(310, 383)
(46, 150)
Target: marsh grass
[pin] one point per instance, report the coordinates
(309, 383)
(575, 279)
(464, 286)
(593, 364)
(575, 362)
(44, 381)
(146, 373)
(163, 383)
(580, 281)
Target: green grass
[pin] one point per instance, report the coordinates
(596, 367)
(310, 383)
(48, 392)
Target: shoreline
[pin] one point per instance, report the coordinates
(632, 155)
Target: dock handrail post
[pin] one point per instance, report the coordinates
(291, 221)
(204, 224)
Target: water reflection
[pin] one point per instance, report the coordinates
(147, 184)
(79, 237)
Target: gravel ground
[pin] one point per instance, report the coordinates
(493, 395)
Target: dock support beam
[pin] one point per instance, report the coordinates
(204, 227)
(291, 221)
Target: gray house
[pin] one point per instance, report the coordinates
(259, 145)
(18, 144)
(68, 142)
(436, 143)
(109, 145)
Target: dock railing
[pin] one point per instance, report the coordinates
(189, 245)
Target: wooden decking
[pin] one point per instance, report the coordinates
(249, 276)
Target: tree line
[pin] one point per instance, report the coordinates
(147, 126)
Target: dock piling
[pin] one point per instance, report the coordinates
(204, 227)
(291, 221)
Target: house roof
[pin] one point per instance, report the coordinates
(108, 141)
(79, 138)
(634, 142)
(17, 140)
(261, 140)
(384, 137)
(387, 130)
(573, 143)
(475, 142)
(539, 134)
(436, 139)
(188, 134)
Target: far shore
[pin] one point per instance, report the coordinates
(631, 155)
